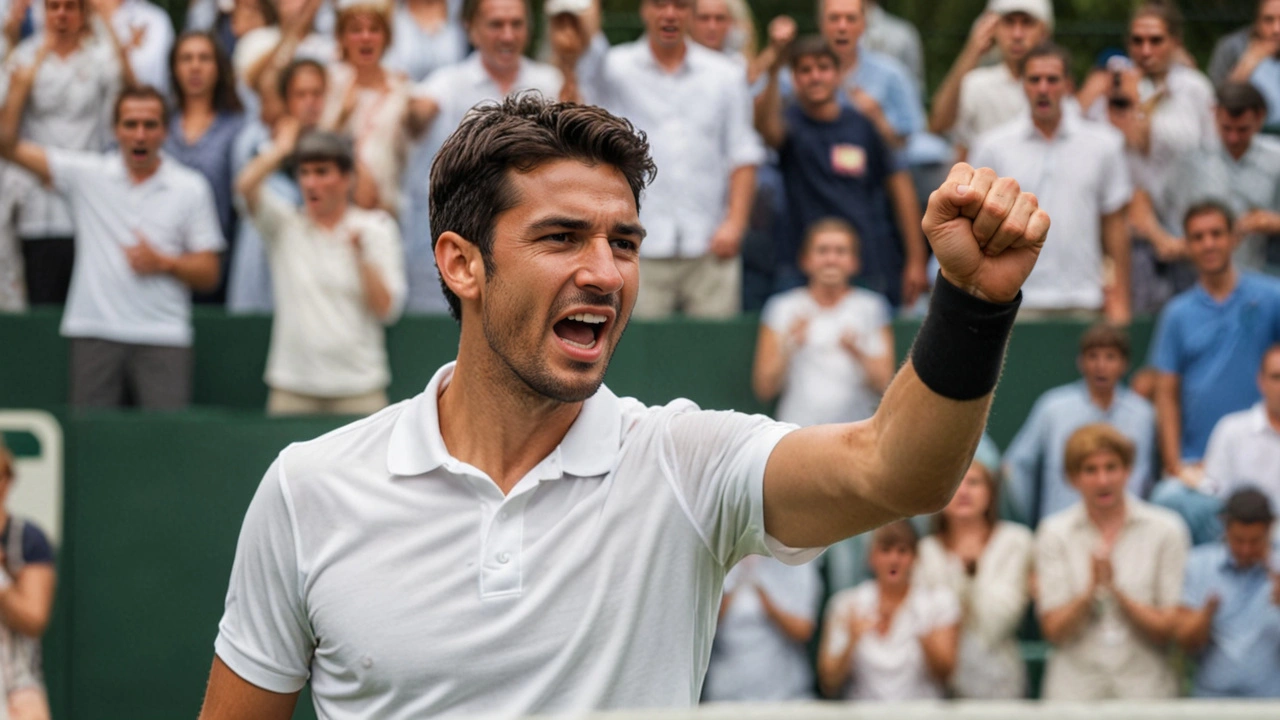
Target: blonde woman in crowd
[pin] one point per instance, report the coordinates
(986, 562)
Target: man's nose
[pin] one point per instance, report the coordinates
(598, 267)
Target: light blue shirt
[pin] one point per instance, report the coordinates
(1035, 458)
(249, 287)
(1215, 349)
(1242, 658)
(1266, 77)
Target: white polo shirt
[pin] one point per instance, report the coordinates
(404, 584)
(698, 120)
(1079, 175)
(325, 341)
(989, 97)
(1244, 451)
(173, 209)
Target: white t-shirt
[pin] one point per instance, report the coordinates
(173, 209)
(325, 341)
(1243, 451)
(404, 584)
(989, 97)
(824, 383)
(891, 666)
(752, 659)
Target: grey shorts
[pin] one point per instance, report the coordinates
(109, 374)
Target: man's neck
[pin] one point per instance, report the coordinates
(491, 420)
(1243, 151)
(1220, 285)
(1102, 397)
(1011, 64)
(1048, 128)
(828, 111)
(669, 57)
(1107, 521)
(849, 62)
(139, 176)
(65, 44)
(505, 79)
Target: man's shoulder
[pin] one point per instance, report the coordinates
(1237, 423)
(1205, 559)
(1058, 526)
(1100, 134)
(885, 64)
(1260, 285)
(1001, 138)
(1191, 80)
(375, 219)
(1165, 522)
(983, 78)
(542, 76)
(356, 446)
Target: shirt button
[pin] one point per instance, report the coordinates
(504, 557)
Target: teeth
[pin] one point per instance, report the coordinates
(588, 318)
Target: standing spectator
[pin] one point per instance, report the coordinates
(835, 163)
(1242, 172)
(1077, 170)
(694, 106)
(972, 100)
(204, 127)
(338, 274)
(986, 563)
(766, 621)
(1034, 469)
(726, 26)
(1257, 61)
(1244, 449)
(499, 30)
(895, 37)
(427, 36)
(891, 638)
(1229, 616)
(79, 76)
(27, 581)
(147, 234)
(146, 32)
(261, 54)
(1109, 572)
(302, 87)
(1207, 349)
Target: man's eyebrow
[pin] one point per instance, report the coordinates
(571, 223)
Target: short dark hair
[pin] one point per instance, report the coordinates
(225, 96)
(1247, 506)
(1167, 12)
(325, 146)
(291, 71)
(470, 8)
(1105, 335)
(1238, 98)
(1047, 49)
(1205, 207)
(811, 46)
(140, 92)
(470, 178)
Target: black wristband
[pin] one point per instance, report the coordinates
(959, 350)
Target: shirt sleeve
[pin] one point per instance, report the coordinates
(383, 250)
(1117, 185)
(1195, 585)
(716, 462)
(271, 213)
(1217, 460)
(743, 145)
(776, 314)
(36, 549)
(1173, 565)
(203, 232)
(1051, 570)
(265, 636)
(1165, 353)
(70, 168)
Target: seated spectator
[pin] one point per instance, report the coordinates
(767, 617)
(1230, 48)
(426, 36)
(896, 37)
(1257, 63)
(302, 87)
(1034, 469)
(208, 116)
(1077, 170)
(66, 105)
(1109, 572)
(972, 100)
(147, 235)
(27, 580)
(146, 32)
(1207, 348)
(835, 163)
(1229, 615)
(1242, 172)
(889, 639)
(338, 274)
(986, 563)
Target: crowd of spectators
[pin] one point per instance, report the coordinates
(275, 157)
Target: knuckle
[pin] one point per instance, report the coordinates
(993, 206)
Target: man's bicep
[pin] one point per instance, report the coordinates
(231, 697)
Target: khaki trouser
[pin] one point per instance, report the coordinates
(704, 287)
(284, 402)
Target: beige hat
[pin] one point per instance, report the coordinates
(1041, 10)
(556, 7)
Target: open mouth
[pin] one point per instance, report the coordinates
(581, 330)
(139, 153)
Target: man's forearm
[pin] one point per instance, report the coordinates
(742, 192)
(198, 271)
(1191, 629)
(249, 184)
(1169, 424)
(946, 101)
(768, 113)
(1155, 623)
(1115, 241)
(1062, 623)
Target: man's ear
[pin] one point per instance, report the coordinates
(460, 265)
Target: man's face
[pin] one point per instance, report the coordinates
(1151, 46)
(1249, 543)
(667, 21)
(1267, 24)
(304, 98)
(829, 260)
(64, 17)
(1045, 82)
(842, 24)
(1237, 131)
(1209, 243)
(195, 66)
(566, 272)
(140, 132)
(711, 23)
(1269, 382)
(325, 188)
(500, 31)
(363, 40)
(1101, 481)
(816, 79)
(1017, 33)
(1102, 368)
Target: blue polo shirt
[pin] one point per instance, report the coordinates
(1216, 349)
(1242, 658)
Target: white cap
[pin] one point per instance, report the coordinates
(1041, 10)
(556, 7)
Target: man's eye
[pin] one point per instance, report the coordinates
(624, 244)
(559, 237)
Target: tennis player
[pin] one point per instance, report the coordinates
(517, 539)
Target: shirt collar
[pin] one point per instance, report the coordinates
(1066, 126)
(158, 179)
(688, 64)
(589, 449)
(1134, 512)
